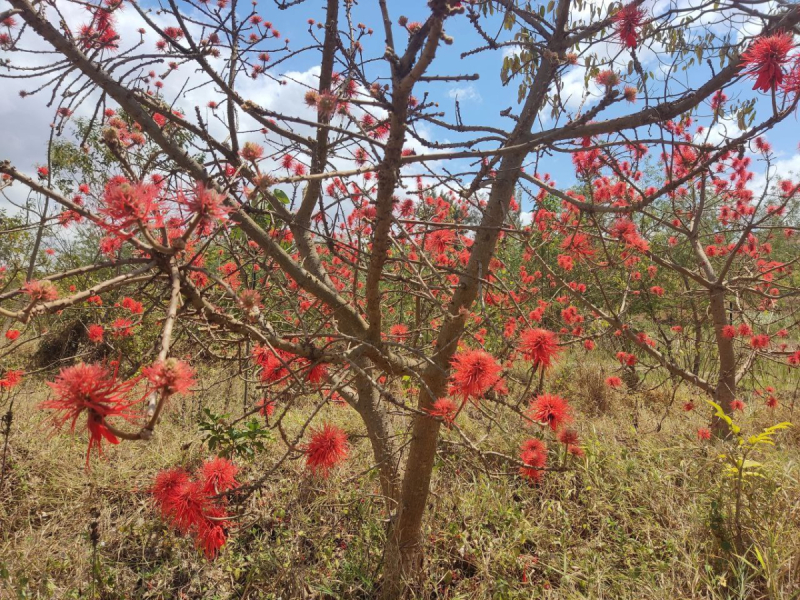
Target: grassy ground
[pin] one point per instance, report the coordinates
(644, 515)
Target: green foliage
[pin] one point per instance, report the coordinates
(742, 475)
(228, 440)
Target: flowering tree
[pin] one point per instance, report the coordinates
(368, 263)
(698, 278)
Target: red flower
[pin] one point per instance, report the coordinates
(576, 451)
(628, 19)
(445, 409)
(266, 407)
(626, 359)
(251, 151)
(737, 405)
(166, 486)
(191, 506)
(607, 78)
(130, 203)
(729, 332)
(765, 58)
(122, 327)
(440, 240)
(568, 437)
(703, 434)
(474, 373)
(12, 334)
(93, 389)
(96, 333)
(207, 204)
(533, 453)
(578, 244)
(188, 505)
(11, 380)
(551, 410)
(399, 332)
(273, 363)
(317, 374)
(44, 291)
(760, 341)
(539, 346)
(613, 382)
(565, 262)
(171, 376)
(219, 475)
(327, 448)
(132, 305)
(212, 532)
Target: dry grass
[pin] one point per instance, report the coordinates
(640, 517)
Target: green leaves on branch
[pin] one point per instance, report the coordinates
(227, 440)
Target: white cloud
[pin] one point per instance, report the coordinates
(469, 93)
(788, 168)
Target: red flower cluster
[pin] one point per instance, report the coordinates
(273, 363)
(628, 19)
(171, 376)
(399, 332)
(96, 333)
(440, 241)
(129, 204)
(40, 291)
(765, 58)
(100, 33)
(326, 449)
(92, 389)
(534, 454)
(191, 505)
(475, 372)
(122, 328)
(626, 359)
(539, 346)
(703, 433)
(445, 409)
(551, 410)
(208, 205)
(11, 380)
(132, 305)
(266, 407)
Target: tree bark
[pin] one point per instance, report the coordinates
(725, 391)
(379, 431)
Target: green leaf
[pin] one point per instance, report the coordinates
(281, 196)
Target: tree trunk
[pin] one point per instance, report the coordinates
(403, 555)
(725, 391)
(404, 545)
(379, 432)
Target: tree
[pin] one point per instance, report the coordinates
(359, 293)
